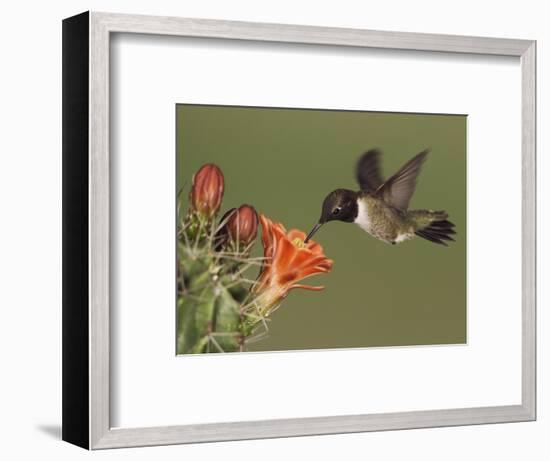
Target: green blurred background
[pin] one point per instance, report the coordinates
(284, 162)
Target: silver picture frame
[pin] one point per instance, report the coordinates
(86, 229)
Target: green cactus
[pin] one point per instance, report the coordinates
(212, 310)
(219, 306)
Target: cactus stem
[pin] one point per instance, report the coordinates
(212, 234)
(183, 232)
(269, 299)
(261, 320)
(197, 237)
(259, 317)
(239, 281)
(241, 271)
(216, 344)
(234, 284)
(196, 298)
(182, 281)
(258, 307)
(255, 338)
(249, 281)
(238, 255)
(251, 262)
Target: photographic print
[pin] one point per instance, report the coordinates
(301, 229)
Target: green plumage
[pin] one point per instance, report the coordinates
(393, 225)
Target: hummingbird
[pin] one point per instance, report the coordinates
(381, 208)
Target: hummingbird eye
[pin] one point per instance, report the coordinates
(336, 211)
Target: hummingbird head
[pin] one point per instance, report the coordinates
(339, 205)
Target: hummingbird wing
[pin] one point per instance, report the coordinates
(399, 188)
(368, 171)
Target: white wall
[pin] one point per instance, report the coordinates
(30, 243)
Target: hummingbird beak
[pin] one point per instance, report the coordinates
(315, 229)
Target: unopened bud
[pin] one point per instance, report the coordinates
(207, 190)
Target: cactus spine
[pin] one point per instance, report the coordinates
(219, 307)
(213, 291)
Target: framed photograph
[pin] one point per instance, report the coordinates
(276, 230)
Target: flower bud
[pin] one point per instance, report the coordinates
(239, 226)
(242, 225)
(207, 190)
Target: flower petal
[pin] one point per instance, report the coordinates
(296, 234)
(287, 263)
(286, 252)
(308, 287)
(310, 261)
(308, 271)
(314, 247)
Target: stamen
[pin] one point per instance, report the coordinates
(298, 242)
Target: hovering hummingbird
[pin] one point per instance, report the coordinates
(381, 207)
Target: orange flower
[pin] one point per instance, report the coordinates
(287, 261)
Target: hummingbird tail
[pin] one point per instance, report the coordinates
(434, 226)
